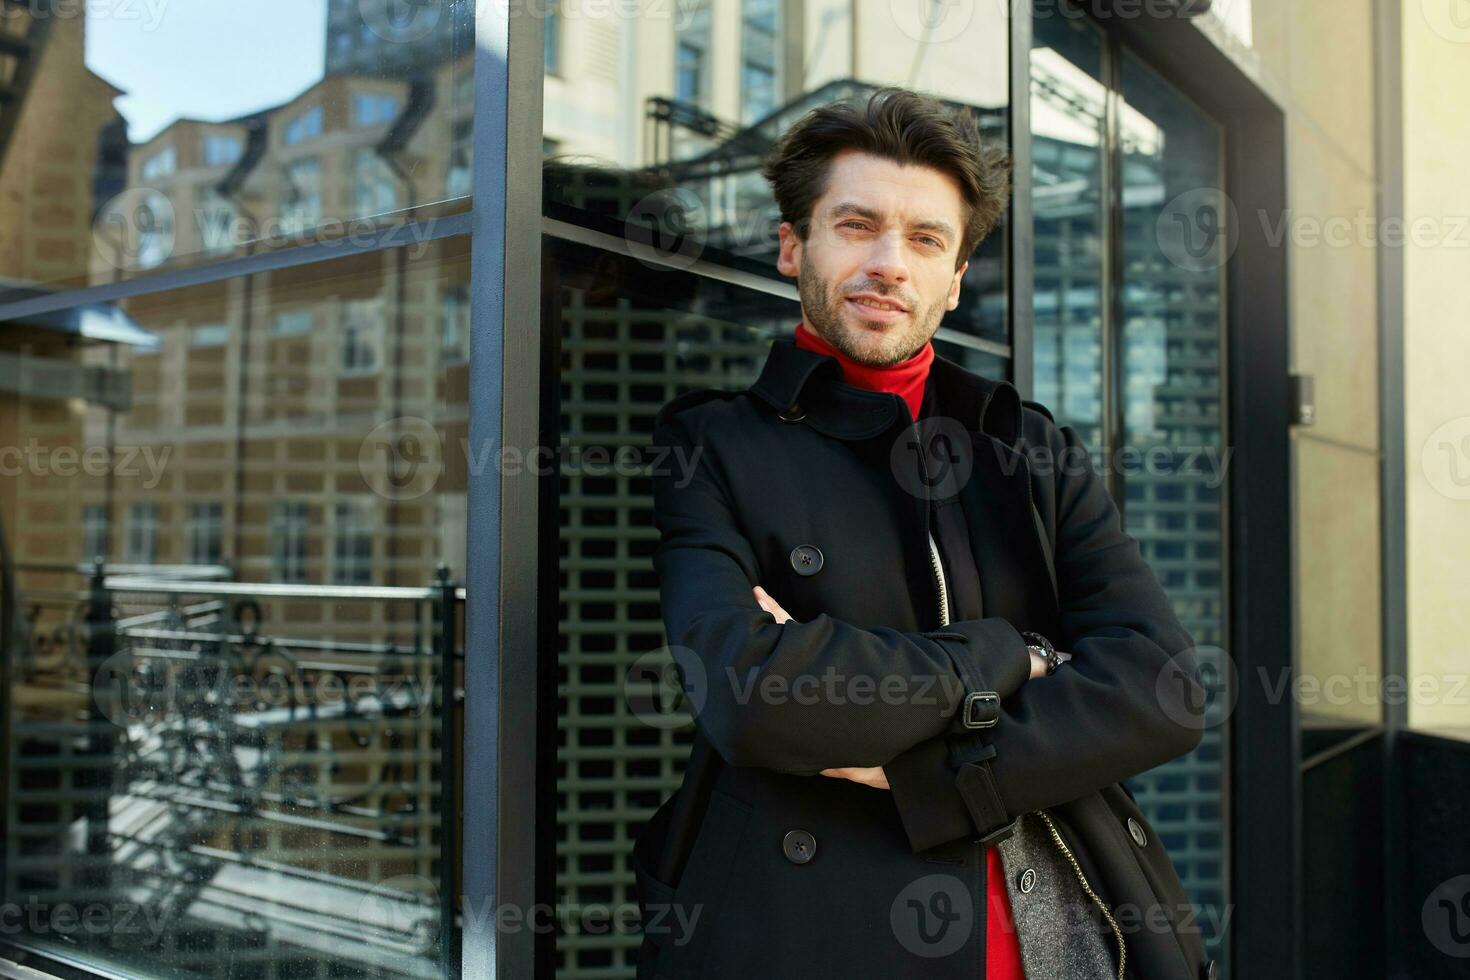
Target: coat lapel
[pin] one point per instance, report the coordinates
(1014, 560)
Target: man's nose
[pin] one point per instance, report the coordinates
(886, 261)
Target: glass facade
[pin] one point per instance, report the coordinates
(232, 519)
(235, 341)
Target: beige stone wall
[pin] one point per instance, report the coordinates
(1321, 52)
(1436, 361)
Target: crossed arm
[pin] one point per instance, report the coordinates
(1103, 717)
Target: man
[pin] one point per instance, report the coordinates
(920, 652)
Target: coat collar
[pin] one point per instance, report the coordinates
(795, 381)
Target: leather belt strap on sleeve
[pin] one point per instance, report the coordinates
(977, 786)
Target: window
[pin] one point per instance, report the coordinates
(352, 541)
(461, 156)
(362, 336)
(373, 186)
(142, 540)
(292, 323)
(454, 339)
(301, 197)
(209, 335)
(160, 164)
(689, 73)
(220, 149)
(373, 108)
(758, 59)
(307, 125)
(288, 541)
(205, 533)
(215, 219)
(94, 532)
(552, 38)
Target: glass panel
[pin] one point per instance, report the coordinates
(136, 138)
(631, 339)
(230, 745)
(659, 132)
(1172, 325)
(1068, 134)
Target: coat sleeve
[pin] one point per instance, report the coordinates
(1119, 707)
(797, 697)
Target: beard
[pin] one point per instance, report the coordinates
(826, 314)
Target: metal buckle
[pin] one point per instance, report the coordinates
(981, 701)
(793, 413)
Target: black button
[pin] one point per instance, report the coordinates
(806, 559)
(793, 413)
(1028, 881)
(1211, 971)
(798, 846)
(1135, 830)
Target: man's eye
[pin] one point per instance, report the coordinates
(852, 224)
(937, 242)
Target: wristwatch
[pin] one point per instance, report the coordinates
(1042, 646)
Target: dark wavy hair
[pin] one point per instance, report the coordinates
(901, 125)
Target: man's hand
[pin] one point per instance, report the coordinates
(771, 605)
(873, 776)
(867, 775)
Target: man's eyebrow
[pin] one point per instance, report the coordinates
(844, 209)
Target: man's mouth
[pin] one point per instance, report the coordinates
(876, 309)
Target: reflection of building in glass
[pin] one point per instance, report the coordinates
(396, 37)
(273, 467)
(1171, 387)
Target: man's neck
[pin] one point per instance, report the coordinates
(906, 378)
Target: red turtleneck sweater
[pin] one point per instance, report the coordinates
(907, 378)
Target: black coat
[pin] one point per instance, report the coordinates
(812, 488)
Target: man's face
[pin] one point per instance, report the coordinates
(891, 232)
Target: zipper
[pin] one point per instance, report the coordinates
(1087, 887)
(939, 581)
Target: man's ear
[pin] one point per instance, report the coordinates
(954, 287)
(788, 258)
